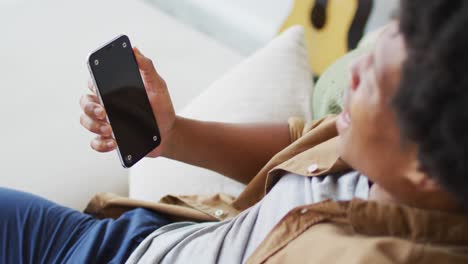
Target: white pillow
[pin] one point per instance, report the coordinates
(272, 85)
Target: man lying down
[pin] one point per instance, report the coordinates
(307, 201)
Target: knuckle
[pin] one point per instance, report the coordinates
(92, 144)
(96, 145)
(91, 98)
(163, 83)
(82, 120)
(82, 100)
(89, 124)
(88, 108)
(95, 127)
(150, 62)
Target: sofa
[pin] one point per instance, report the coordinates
(43, 71)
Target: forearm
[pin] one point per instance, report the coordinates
(238, 151)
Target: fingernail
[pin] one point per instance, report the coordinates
(104, 129)
(110, 144)
(98, 111)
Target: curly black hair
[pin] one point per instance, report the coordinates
(432, 100)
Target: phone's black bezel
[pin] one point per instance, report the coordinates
(136, 157)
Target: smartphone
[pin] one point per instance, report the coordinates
(120, 88)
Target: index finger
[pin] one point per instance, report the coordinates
(91, 86)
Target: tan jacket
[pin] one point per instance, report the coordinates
(356, 231)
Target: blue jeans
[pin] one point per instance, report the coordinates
(35, 230)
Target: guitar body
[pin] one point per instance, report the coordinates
(332, 27)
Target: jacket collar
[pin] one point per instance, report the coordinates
(377, 219)
(294, 158)
(321, 160)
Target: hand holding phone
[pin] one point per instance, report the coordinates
(96, 119)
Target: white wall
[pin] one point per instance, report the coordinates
(43, 47)
(245, 25)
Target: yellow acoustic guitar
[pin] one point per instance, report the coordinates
(333, 27)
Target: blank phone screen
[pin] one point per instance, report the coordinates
(124, 97)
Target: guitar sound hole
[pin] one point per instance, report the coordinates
(318, 14)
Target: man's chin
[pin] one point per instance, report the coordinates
(343, 123)
(345, 149)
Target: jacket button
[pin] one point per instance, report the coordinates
(219, 213)
(312, 168)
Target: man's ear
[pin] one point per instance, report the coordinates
(418, 176)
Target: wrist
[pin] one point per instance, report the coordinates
(169, 142)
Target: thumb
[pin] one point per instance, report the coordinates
(149, 74)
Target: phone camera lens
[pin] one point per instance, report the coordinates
(96, 62)
(124, 45)
(155, 138)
